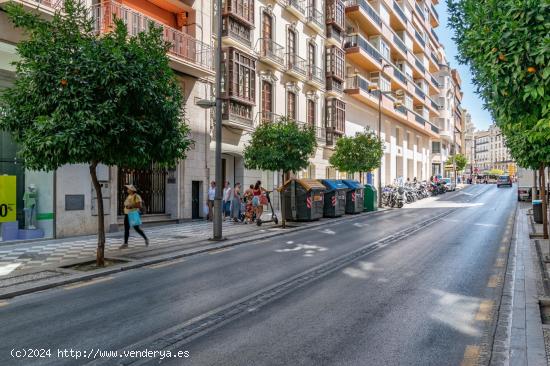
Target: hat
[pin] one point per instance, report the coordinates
(130, 187)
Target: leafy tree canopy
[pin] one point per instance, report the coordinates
(282, 145)
(461, 161)
(360, 153)
(81, 97)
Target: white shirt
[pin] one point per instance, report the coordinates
(227, 194)
(211, 193)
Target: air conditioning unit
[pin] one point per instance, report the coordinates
(400, 93)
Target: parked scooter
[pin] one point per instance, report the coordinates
(274, 217)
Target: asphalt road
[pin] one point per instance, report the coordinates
(403, 287)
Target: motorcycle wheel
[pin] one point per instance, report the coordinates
(400, 205)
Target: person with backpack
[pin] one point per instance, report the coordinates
(132, 206)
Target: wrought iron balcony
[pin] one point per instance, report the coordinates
(237, 32)
(296, 65)
(183, 46)
(271, 52)
(296, 7)
(315, 74)
(335, 36)
(316, 18)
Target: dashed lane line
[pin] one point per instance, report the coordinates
(471, 356)
(87, 283)
(485, 312)
(494, 281)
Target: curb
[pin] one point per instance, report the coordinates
(23, 290)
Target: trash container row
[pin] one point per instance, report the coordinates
(310, 199)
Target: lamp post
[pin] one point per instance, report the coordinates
(207, 104)
(372, 88)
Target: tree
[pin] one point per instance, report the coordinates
(357, 154)
(280, 146)
(461, 161)
(506, 44)
(81, 97)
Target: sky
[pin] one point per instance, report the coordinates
(471, 101)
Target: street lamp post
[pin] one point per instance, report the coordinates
(207, 104)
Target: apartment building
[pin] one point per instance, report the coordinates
(468, 140)
(66, 199)
(392, 59)
(491, 152)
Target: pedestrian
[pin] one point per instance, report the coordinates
(236, 202)
(211, 197)
(227, 196)
(258, 191)
(249, 207)
(132, 205)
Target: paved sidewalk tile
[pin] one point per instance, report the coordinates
(34, 255)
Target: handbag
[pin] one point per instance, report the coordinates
(134, 218)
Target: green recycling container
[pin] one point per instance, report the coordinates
(371, 198)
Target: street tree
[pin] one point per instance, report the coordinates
(506, 44)
(84, 97)
(461, 161)
(283, 145)
(358, 154)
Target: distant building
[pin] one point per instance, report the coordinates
(491, 151)
(468, 145)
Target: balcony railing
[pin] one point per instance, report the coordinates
(334, 85)
(434, 58)
(363, 4)
(435, 11)
(356, 40)
(182, 45)
(335, 34)
(399, 11)
(295, 63)
(272, 51)
(358, 82)
(399, 42)
(419, 64)
(434, 104)
(419, 119)
(236, 118)
(239, 33)
(434, 128)
(399, 75)
(419, 38)
(315, 73)
(297, 5)
(266, 117)
(434, 34)
(316, 17)
(419, 11)
(419, 92)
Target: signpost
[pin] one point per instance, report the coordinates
(7, 198)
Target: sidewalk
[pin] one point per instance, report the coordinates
(24, 256)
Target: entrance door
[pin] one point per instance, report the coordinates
(195, 199)
(151, 185)
(267, 100)
(267, 34)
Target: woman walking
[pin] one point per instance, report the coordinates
(258, 191)
(236, 202)
(132, 204)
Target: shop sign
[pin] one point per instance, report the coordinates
(7, 198)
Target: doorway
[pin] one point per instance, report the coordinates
(195, 199)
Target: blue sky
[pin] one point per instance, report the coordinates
(480, 117)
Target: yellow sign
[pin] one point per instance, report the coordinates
(511, 169)
(7, 198)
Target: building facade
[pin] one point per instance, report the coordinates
(468, 141)
(491, 152)
(330, 64)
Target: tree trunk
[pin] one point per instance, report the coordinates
(544, 202)
(100, 256)
(281, 197)
(535, 185)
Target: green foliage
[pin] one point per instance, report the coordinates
(461, 161)
(84, 98)
(282, 145)
(506, 43)
(361, 153)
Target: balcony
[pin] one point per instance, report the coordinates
(232, 117)
(434, 35)
(315, 75)
(419, 92)
(296, 66)
(334, 87)
(296, 7)
(359, 50)
(316, 19)
(365, 15)
(434, 18)
(398, 22)
(45, 7)
(420, 40)
(434, 128)
(186, 54)
(398, 74)
(335, 36)
(420, 66)
(271, 53)
(419, 11)
(399, 42)
(235, 34)
(358, 87)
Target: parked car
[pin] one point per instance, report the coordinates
(449, 184)
(525, 184)
(504, 180)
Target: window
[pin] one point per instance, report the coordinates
(291, 105)
(335, 62)
(310, 112)
(241, 76)
(385, 50)
(336, 115)
(243, 9)
(335, 13)
(436, 147)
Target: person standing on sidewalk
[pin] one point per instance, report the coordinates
(236, 202)
(227, 200)
(132, 203)
(211, 197)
